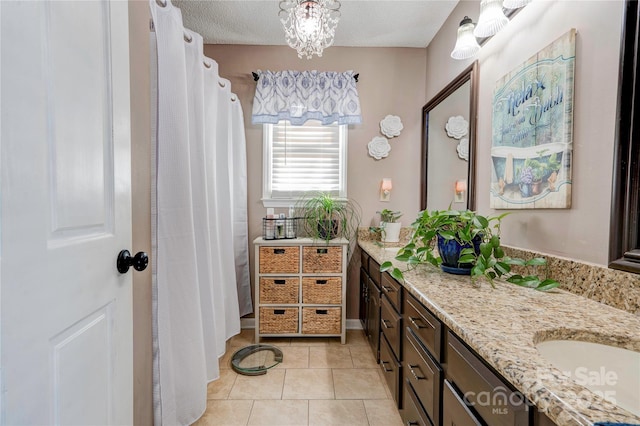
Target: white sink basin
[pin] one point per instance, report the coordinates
(609, 371)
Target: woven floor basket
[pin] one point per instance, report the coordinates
(321, 259)
(325, 290)
(321, 320)
(278, 320)
(279, 290)
(279, 260)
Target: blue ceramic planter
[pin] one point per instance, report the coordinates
(450, 253)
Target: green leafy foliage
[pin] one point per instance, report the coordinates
(465, 226)
(325, 217)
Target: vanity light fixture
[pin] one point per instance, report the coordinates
(466, 43)
(461, 189)
(492, 19)
(309, 25)
(385, 189)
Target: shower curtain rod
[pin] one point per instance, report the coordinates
(256, 77)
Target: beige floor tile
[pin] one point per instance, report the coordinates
(294, 357)
(307, 383)
(309, 341)
(330, 357)
(225, 361)
(337, 413)
(266, 386)
(362, 357)
(384, 383)
(246, 337)
(360, 383)
(225, 413)
(354, 338)
(382, 412)
(279, 413)
(276, 341)
(219, 389)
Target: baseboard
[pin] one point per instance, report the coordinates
(352, 324)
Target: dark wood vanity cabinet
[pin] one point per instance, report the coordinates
(391, 335)
(370, 294)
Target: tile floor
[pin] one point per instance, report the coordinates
(320, 382)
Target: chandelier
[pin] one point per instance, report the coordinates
(309, 25)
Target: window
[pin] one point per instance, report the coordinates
(298, 159)
(625, 215)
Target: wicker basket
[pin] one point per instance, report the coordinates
(279, 290)
(321, 320)
(278, 320)
(279, 260)
(325, 290)
(322, 259)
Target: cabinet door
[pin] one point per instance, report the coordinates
(363, 299)
(373, 319)
(454, 410)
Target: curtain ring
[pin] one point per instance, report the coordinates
(206, 64)
(221, 84)
(233, 99)
(161, 3)
(187, 38)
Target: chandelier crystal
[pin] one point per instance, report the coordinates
(309, 25)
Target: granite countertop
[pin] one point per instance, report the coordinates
(504, 324)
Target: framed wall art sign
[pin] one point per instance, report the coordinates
(532, 130)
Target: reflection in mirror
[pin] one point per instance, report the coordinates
(448, 147)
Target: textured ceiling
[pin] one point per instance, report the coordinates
(394, 23)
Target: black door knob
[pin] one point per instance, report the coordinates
(125, 261)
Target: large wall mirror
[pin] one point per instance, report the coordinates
(448, 145)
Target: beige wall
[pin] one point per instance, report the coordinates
(141, 210)
(391, 82)
(581, 232)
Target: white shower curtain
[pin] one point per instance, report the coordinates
(195, 299)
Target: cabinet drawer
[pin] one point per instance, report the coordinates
(321, 259)
(423, 374)
(279, 290)
(454, 411)
(479, 384)
(279, 260)
(412, 413)
(374, 271)
(391, 326)
(278, 320)
(373, 318)
(323, 320)
(393, 290)
(326, 290)
(391, 370)
(425, 326)
(364, 260)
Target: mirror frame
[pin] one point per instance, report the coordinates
(469, 74)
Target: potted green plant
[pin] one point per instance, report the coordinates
(325, 217)
(389, 225)
(479, 253)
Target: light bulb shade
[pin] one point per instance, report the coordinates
(387, 185)
(515, 4)
(491, 20)
(466, 43)
(461, 185)
(309, 25)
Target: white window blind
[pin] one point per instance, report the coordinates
(298, 159)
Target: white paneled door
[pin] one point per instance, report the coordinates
(66, 322)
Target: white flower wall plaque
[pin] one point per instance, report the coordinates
(463, 149)
(379, 147)
(391, 126)
(457, 127)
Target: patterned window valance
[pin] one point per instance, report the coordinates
(299, 96)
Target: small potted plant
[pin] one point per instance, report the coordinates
(464, 242)
(389, 225)
(325, 217)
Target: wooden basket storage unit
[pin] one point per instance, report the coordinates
(300, 288)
